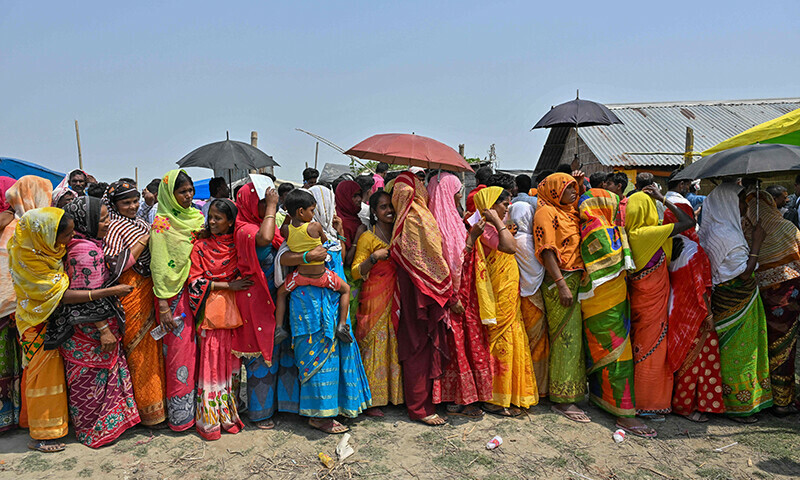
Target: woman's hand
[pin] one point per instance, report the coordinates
(121, 290)
(107, 340)
(145, 239)
(477, 230)
(759, 234)
(165, 318)
(492, 217)
(271, 197)
(564, 294)
(709, 321)
(319, 254)
(457, 308)
(337, 224)
(381, 254)
(654, 192)
(240, 284)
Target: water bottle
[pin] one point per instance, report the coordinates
(159, 332)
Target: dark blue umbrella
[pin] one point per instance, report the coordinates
(227, 155)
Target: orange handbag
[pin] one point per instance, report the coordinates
(221, 312)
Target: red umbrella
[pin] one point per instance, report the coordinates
(405, 149)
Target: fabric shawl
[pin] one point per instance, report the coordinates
(557, 226)
(416, 244)
(531, 272)
(721, 234)
(324, 213)
(442, 189)
(645, 234)
(36, 267)
(28, 193)
(124, 232)
(779, 257)
(347, 210)
(681, 202)
(213, 260)
(61, 189)
(256, 336)
(171, 239)
(5, 184)
(487, 306)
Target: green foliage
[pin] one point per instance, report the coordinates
(474, 160)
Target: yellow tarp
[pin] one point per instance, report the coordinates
(784, 129)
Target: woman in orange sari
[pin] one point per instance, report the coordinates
(144, 354)
(514, 383)
(651, 247)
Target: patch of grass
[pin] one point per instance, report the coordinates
(583, 457)
(381, 435)
(713, 473)
(775, 443)
(500, 476)
(428, 436)
(557, 462)
(458, 461)
(85, 473)
(69, 463)
(372, 452)
(374, 469)
(107, 467)
(35, 462)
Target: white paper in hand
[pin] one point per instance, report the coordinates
(261, 183)
(475, 218)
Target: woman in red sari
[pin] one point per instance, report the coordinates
(425, 289)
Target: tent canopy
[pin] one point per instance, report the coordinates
(15, 168)
(784, 129)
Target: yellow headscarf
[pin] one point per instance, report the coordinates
(36, 268)
(645, 235)
(485, 198)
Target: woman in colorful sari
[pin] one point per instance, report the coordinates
(778, 277)
(170, 249)
(348, 206)
(693, 344)
(424, 289)
(143, 353)
(531, 274)
(651, 247)
(271, 374)
(377, 316)
(606, 314)
(736, 304)
(10, 369)
(468, 376)
(513, 384)
(35, 252)
(87, 330)
(213, 279)
(557, 237)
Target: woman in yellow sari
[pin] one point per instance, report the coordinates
(35, 253)
(514, 383)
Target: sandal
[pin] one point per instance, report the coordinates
(653, 417)
(374, 412)
(343, 333)
(579, 416)
(745, 420)
(267, 424)
(696, 417)
(639, 430)
(281, 334)
(47, 446)
(782, 412)
(328, 425)
(433, 420)
(501, 411)
(469, 411)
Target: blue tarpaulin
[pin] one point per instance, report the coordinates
(201, 191)
(14, 168)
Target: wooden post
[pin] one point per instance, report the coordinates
(687, 156)
(78, 137)
(254, 142)
(461, 149)
(136, 176)
(316, 156)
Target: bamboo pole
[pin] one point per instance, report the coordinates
(687, 157)
(254, 143)
(136, 176)
(316, 156)
(78, 137)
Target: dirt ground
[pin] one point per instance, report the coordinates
(540, 444)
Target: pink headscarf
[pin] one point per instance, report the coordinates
(441, 190)
(5, 184)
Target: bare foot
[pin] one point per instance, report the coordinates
(572, 412)
(373, 412)
(267, 424)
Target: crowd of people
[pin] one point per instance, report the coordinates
(122, 306)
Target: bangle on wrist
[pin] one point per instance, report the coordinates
(90, 296)
(558, 279)
(342, 238)
(103, 327)
(140, 242)
(754, 255)
(304, 257)
(504, 228)
(269, 216)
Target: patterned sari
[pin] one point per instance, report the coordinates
(376, 323)
(604, 304)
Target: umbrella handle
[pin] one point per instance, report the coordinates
(758, 201)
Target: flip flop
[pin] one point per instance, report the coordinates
(638, 430)
(329, 427)
(744, 420)
(574, 416)
(653, 417)
(267, 424)
(502, 411)
(47, 446)
(429, 418)
(469, 411)
(696, 417)
(374, 412)
(783, 412)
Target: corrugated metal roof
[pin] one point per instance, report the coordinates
(661, 127)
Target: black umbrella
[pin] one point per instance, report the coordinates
(577, 113)
(759, 159)
(227, 155)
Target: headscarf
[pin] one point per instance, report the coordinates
(487, 308)
(645, 234)
(5, 184)
(416, 244)
(28, 193)
(324, 213)
(36, 268)
(442, 189)
(721, 234)
(347, 210)
(255, 304)
(61, 189)
(779, 257)
(681, 202)
(531, 272)
(86, 213)
(604, 245)
(171, 239)
(557, 226)
(124, 232)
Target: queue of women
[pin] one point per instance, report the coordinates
(489, 312)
